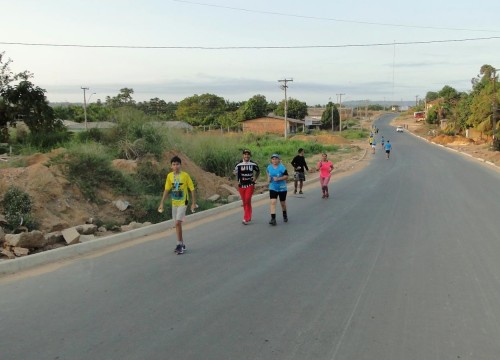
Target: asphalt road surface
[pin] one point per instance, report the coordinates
(402, 262)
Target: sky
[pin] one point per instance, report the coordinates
(388, 50)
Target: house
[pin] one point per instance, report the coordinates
(312, 122)
(433, 103)
(272, 124)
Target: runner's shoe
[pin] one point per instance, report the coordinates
(295, 191)
(285, 219)
(300, 192)
(244, 222)
(272, 222)
(178, 248)
(181, 250)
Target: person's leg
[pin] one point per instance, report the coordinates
(295, 181)
(248, 195)
(324, 185)
(178, 214)
(282, 196)
(326, 181)
(178, 230)
(245, 198)
(273, 195)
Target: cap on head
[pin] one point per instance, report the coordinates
(246, 151)
(275, 156)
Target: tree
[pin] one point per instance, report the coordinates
(21, 99)
(201, 109)
(6, 78)
(124, 98)
(448, 93)
(296, 109)
(271, 107)
(431, 96)
(254, 108)
(28, 102)
(326, 117)
(229, 120)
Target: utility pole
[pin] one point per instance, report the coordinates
(85, 105)
(284, 87)
(416, 100)
(332, 112)
(340, 112)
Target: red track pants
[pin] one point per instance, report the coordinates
(246, 196)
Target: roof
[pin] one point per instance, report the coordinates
(272, 116)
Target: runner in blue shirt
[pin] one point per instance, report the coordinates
(277, 176)
(388, 148)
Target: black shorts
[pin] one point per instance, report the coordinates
(275, 194)
(388, 151)
(299, 176)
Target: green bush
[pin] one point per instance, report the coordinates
(355, 134)
(48, 140)
(150, 177)
(90, 168)
(17, 207)
(92, 134)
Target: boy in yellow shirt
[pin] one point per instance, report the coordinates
(180, 185)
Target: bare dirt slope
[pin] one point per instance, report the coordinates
(59, 204)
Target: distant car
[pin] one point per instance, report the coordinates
(399, 129)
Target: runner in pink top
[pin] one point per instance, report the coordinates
(325, 168)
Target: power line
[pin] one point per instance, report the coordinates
(248, 47)
(329, 19)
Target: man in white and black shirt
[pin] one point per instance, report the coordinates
(247, 173)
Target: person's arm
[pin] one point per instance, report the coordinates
(305, 165)
(256, 176)
(193, 200)
(165, 194)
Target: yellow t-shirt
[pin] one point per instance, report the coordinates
(178, 185)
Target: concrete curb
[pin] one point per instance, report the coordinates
(23, 263)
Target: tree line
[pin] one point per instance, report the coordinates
(20, 99)
(196, 110)
(463, 110)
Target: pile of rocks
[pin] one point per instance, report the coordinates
(30, 242)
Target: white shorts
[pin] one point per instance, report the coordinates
(179, 213)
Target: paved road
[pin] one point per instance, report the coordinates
(402, 263)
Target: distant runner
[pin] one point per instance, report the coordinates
(388, 148)
(325, 168)
(300, 165)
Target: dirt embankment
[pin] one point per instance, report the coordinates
(59, 204)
